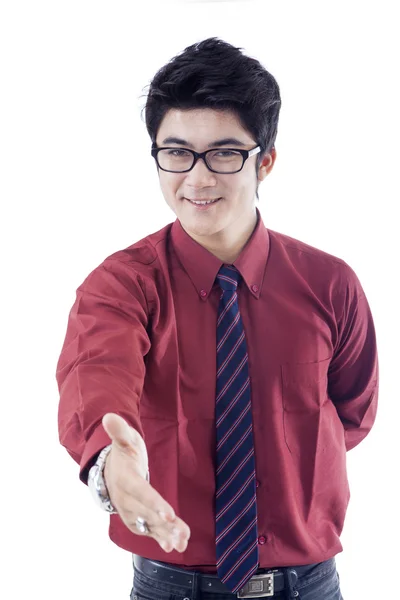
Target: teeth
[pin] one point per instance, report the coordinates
(209, 202)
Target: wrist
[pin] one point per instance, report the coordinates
(96, 482)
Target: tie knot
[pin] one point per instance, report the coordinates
(228, 277)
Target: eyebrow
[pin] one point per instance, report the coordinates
(223, 142)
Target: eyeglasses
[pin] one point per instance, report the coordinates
(218, 160)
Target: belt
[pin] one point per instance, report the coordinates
(261, 585)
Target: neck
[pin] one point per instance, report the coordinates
(228, 243)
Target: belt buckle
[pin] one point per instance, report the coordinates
(259, 586)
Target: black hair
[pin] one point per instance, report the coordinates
(215, 74)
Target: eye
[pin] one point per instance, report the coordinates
(178, 153)
(226, 153)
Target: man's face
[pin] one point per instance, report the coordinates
(199, 129)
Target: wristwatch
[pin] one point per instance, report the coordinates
(97, 484)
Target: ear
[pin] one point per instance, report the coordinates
(266, 165)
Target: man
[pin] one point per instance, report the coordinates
(215, 373)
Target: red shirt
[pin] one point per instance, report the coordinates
(141, 342)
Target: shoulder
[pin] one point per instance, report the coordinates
(312, 261)
(135, 266)
(143, 252)
(297, 248)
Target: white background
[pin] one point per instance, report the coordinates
(78, 183)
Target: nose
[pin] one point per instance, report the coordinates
(200, 175)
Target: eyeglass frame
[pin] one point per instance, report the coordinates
(197, 155)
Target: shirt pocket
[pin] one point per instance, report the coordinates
(304, 395)
(304, 385)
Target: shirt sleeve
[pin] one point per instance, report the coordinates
(101, 367)
(353, 380)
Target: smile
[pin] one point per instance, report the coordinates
(203, 202)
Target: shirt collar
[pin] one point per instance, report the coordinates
(202, 266)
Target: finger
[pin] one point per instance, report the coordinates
(167, 540)
(168, 534)
(119, 431)
(178, 538)
(157, 525)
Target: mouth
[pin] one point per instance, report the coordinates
(203, 204)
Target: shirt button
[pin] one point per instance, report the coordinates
(254, 288)
(257, 483)
(262, 539)
(203, 293)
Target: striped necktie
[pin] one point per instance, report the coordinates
(236, 508)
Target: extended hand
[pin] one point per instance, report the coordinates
(131, 495)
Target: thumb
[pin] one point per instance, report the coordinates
(120, 432)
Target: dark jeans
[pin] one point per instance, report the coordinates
(319, 581)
